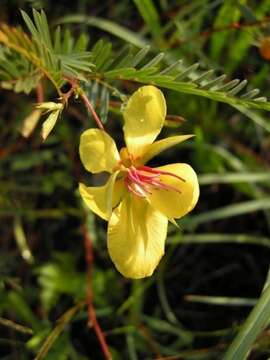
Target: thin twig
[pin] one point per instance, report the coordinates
(14, 326)
(92, 319)
(40, 92)
(90, 108)
(75, 87)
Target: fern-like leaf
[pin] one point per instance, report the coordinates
(40, 55)
(187, 80)
(54, 59)
(37, 55)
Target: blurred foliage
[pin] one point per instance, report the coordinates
(216, 263)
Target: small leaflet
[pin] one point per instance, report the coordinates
(49, 124)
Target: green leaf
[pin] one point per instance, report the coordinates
(140, 56)
(61, 323)
(124, 58)
(154, 61)
(255, 117)
(228, 14)
(105, 25)
(212, 238)
(257, 320)
(150, 15)
(215, 89)
(104, 104)
(244, 207)
(59, 277)
(30, 24)
(221, 300)
(167, 328)
(22, 309)
(229, 178)
(49, 124)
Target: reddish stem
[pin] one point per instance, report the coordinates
(92, 319)
(92, 110)
(89, 106)
(40, 92)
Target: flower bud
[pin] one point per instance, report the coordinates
(50, 106)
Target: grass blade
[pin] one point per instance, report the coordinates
(228, 211)
(150, 15)
(105, 25)
(255, 323)
(229, 178)
(211, 238)
(62, 322)
(221, 300)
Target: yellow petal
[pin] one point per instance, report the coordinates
(101, 199)
(136, 237)
(171, 203)
(98, 151)
(144, 117)
(158, 146)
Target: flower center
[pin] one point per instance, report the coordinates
(125, 157)
(140, 181)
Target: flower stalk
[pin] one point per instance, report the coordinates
(91, 109)
(92, 319)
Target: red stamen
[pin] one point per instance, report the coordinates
(134, 176)
(159, 184)
(139, 181)
(160, 172)
(131, 189)
(148, 179)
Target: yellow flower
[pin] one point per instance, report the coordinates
(137, 200)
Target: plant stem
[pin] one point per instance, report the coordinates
(92, 319)
(40, 92)
(91, 110)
